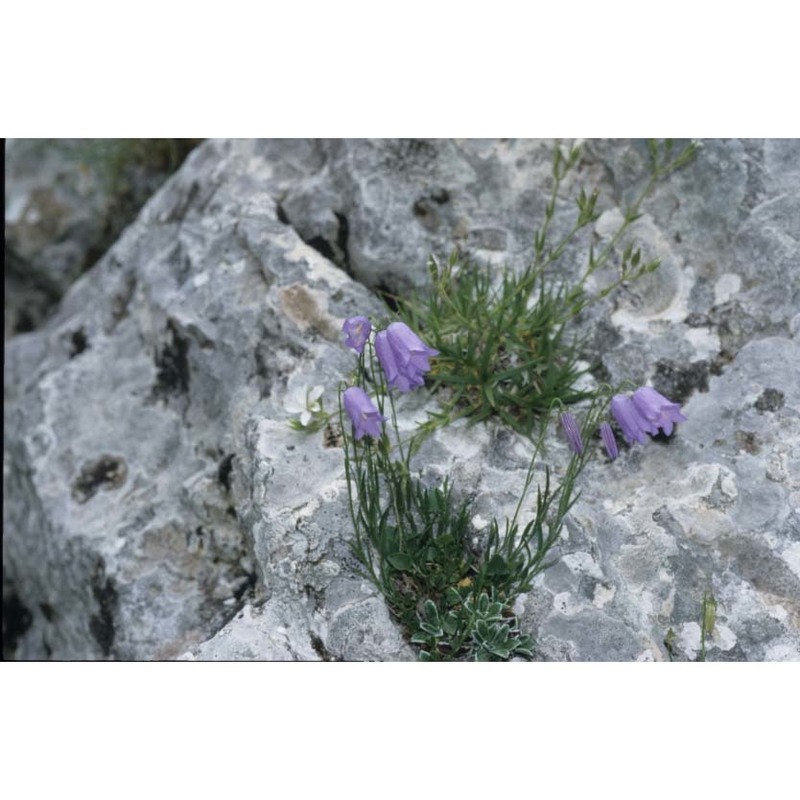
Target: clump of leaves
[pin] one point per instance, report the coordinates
(482, 625)
(500, 355)
(506, 348)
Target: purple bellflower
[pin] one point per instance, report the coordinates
(657, 409)
(633, 424)
(357, 330)
(609, 440)
(367, 420)
(403, 356)
(573, 433)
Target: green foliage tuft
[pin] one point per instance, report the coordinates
(506, 350)
(501, 354)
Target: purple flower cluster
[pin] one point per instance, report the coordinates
(403, 356)
(647, 411)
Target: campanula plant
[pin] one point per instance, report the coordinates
(493, 347)
(414, 541)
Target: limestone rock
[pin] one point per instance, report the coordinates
(378, 208)
(66, 202)
(151, 482)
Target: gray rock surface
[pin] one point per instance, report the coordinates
(66, 202)
(158, 506)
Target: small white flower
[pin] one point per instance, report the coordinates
(314, 399)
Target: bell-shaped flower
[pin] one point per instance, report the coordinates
(366, 419)
(657, 409)
(573, 433)
(634, 425)
(609, 440)
(403, 356)
(357, 330)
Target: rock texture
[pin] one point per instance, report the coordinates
(66, 201)
(157, 505)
